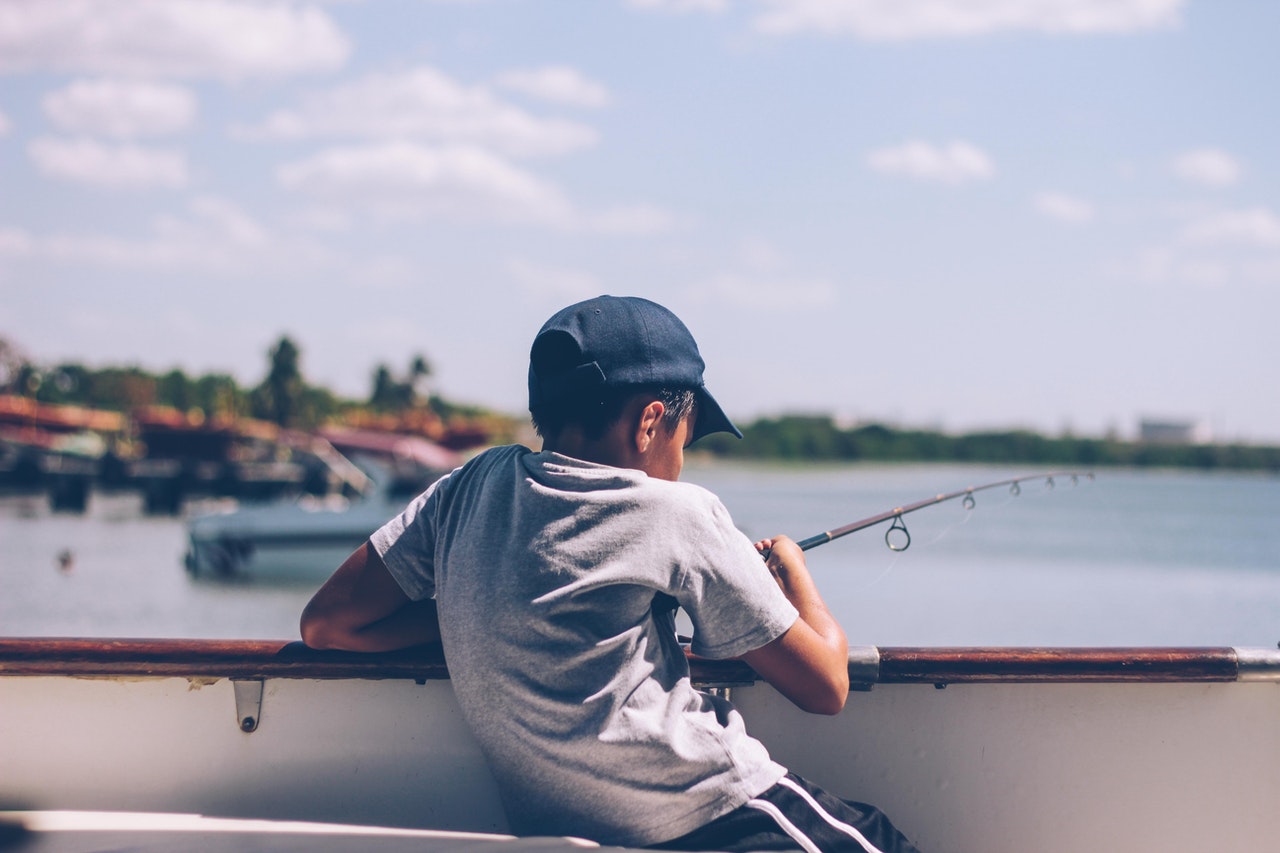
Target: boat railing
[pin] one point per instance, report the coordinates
(868, 665)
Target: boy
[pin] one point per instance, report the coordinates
(551, 579)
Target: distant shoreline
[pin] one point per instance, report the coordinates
(819, 438)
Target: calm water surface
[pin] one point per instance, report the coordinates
(1146, 558)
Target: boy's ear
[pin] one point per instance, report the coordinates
(648, 421)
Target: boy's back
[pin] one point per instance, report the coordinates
(551, 578)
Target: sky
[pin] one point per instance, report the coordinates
(1061, 215)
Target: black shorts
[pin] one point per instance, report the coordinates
(796, 815)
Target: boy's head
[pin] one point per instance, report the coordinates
(592, 358)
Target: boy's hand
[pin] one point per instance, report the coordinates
(783, 558)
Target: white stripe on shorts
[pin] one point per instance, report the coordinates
(829, 818)
(792, 830)
(787, 826)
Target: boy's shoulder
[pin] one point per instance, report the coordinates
(493, 457)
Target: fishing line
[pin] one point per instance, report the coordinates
(1013, 495)
(965, 518)
(884, 573)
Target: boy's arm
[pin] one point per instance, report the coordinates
(361, 608)
(809, 664)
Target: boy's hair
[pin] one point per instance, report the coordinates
(595, 413)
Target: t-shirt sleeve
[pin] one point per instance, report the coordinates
(406, 544)
(727, 591)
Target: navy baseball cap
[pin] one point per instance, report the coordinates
(615, 342)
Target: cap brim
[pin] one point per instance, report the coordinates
(711, 418)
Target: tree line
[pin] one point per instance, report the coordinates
(284, 396)
(818, 437)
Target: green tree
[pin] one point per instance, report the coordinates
(218, 395)
(120, 388)
(383, 396)
(67, 383)
(27, 380)
(175, 389)
(279, 396)
(419, 374)
(12, 362)
(316, 405)
(391, 394)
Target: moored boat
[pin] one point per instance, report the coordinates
(305, 537)
(1152, 749)
(301, 539)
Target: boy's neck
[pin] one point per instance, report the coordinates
(610, 449)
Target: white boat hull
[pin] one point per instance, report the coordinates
(1049, 768)
(290, 541)
(973, 768)
(391, 753)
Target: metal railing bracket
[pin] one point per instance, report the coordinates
(248, 703)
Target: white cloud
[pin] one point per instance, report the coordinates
(760, 275)
(1264, 272)
(121, 108)
(104, 251)
(1215, 249)
(211, 235)
(324, 219)
(563, 284)
(212, 240)
(954, 163)
(773, 292)
(558, 84)
(635, 220)
(5, 124)
(214, 219)
(760, 254)
(1063, 207)
(15, 242)
(1256, 227)
(110, 166)
(214, 38)
(1174, 266)
(679, 7)
(388, 272)
(99, 250)
(1208, 167)
(405, 178)
(426, 105)
(911, 19)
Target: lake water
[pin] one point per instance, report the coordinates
(1131, 558)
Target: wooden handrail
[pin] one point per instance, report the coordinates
(987, 665)
(885, 665)
(210, 659)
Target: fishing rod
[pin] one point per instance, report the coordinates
(896, 514)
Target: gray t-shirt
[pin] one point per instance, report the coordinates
(550, 576)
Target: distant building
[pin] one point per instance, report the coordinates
(1160, 431)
